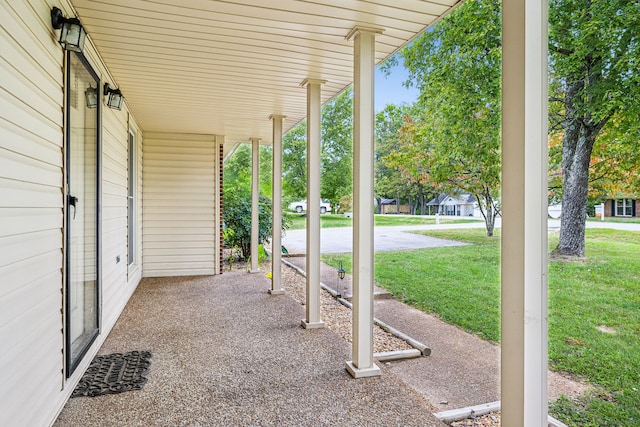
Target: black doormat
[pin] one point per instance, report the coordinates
(114, 373)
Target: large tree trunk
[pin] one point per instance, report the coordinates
(488, 210)
(577, 144)
(575, 186)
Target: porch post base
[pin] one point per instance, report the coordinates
(276, 291)
(255, 270)
(373, 371)
(312, 325)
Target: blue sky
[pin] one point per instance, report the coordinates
(389, 89)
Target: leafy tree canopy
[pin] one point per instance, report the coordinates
(457, 66)
(337, 147)
(595, 88)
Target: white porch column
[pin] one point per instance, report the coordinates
(276, 197)
(524, 214)
(313, 204)
(255, 180)
(362, 364)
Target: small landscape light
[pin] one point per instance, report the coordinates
(341, 274)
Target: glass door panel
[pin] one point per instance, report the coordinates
(82, 212)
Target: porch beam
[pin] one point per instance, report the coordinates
(312, 306)
(362, 365)
(276, 197)
(524, 214)
(255, 206)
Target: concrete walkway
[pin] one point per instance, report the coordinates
(226, 353)
(462, 370)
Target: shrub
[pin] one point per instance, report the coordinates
(236, 218)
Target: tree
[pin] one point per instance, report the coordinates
(236, 215)
(399, 162)
(294, 167)
(389, 180)
(336, 156)
(593, 58)
(237, 220)
(337, 147)
(457, 67)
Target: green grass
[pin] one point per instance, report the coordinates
(298, 221)
(609, 219)
(462, 286)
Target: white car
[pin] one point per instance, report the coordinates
(301, 206)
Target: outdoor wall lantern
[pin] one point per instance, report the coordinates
(115, 97)
(91, 96)
(72, 35)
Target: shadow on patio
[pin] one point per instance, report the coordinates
(227, 353)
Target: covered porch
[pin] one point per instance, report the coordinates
(198, 78)
(225, 352)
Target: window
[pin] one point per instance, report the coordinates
(624, 207)
(131, 201)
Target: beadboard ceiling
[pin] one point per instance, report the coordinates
(223, 67)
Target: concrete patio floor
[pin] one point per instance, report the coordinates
(225, 352)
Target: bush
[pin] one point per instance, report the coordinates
(346, 204)
(236, 218)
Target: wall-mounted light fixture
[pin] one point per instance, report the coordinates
(72, 35)
(115, 97)
(91, 96)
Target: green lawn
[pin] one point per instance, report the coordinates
(327, 221)
(608, 219)
(601, 293)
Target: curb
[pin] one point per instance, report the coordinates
(477, 410)
(397, 355)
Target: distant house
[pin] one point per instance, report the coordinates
(388, 206)
(624, 208)
(453, 205)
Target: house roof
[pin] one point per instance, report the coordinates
(223, 67)
(461, 199)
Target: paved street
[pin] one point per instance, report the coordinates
(393, 238)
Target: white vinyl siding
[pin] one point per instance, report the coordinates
(31, 215)
(32, 88)
(179, 211)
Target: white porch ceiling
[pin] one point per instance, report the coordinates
(222, 67)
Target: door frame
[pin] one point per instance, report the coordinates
(70, 365)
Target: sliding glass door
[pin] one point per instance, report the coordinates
(82, 231)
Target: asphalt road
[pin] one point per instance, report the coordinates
(394, 238)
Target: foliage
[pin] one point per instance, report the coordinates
(237, 170)
(237, 217)
(294, 166)
(337, 147)
(346, 203)
(456, 139)
(237, 199)
(398, 175)
(336, 156)
(595, 86)
(613, 167)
